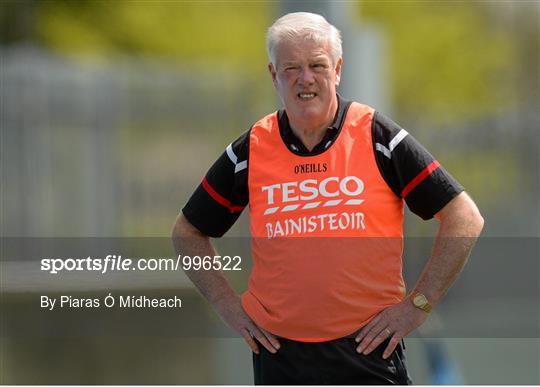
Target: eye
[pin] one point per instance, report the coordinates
(319, 66)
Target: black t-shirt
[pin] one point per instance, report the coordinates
(410, 171)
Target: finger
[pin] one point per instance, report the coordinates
(262, 339)
(371, 335)
(271, 338)
(382, 336)
(249, 340)
(391, 346)
(364, 331)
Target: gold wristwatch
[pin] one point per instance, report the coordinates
(420, 301)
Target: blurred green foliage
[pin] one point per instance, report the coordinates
(448, 60)
(182, 31)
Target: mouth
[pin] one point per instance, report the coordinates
(306, 96)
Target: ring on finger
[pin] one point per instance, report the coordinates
(388, 333)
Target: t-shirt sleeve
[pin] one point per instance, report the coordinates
(410, 170)
(223, 193)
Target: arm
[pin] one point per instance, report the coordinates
(215, 288)
(460, 225)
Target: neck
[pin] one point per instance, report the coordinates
(311, 133)
(310, 137)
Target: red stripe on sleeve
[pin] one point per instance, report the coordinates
(420, 178)
(220, 199)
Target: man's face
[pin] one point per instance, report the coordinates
(306, 78)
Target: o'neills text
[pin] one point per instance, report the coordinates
(310, 168)
(309, 224)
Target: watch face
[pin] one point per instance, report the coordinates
(419, 300)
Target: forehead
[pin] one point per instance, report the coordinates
(300, 49)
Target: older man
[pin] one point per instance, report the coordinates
(326, 180)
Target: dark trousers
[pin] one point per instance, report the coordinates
(331, 362)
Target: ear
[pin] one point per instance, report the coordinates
(338, 70)
(273, 74)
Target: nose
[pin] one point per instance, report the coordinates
(307, 77)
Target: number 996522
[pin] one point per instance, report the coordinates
(217, 262)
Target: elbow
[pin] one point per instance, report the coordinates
(182, 228)
(474, 220)
(478, 222)
(181, 233)
(461, 217)
(176, 231)
(176, 234)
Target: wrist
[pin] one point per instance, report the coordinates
(420, 301)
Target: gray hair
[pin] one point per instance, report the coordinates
(305, 25)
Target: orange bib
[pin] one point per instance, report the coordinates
(327, 234)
